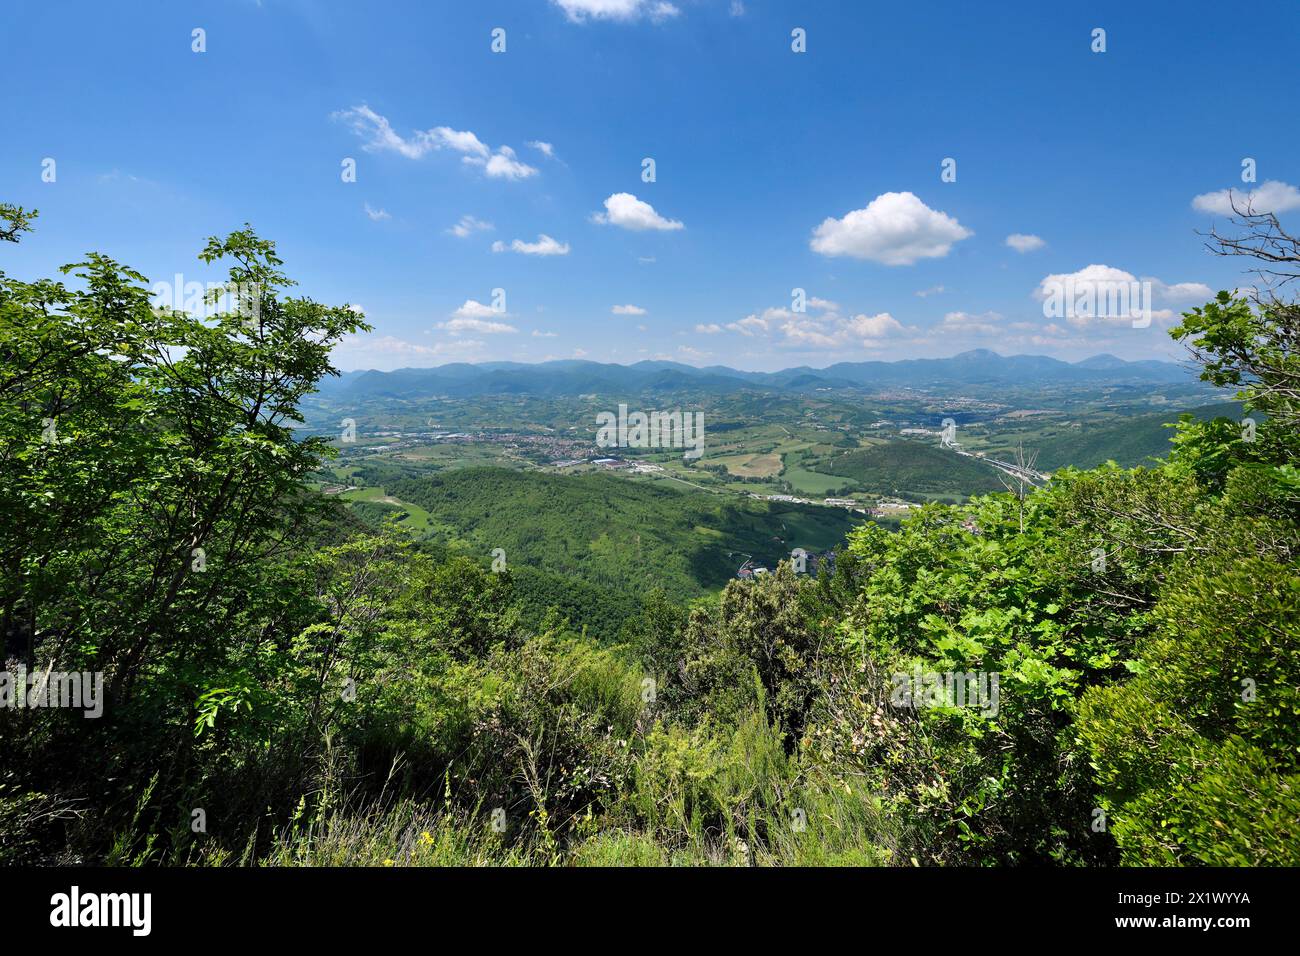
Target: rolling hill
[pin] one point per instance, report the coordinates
(912, 467)
(1132, 442)
(611, 536)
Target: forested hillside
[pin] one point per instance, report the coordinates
(1132, 442)
(615, 533)
(909, 466)
(284, 684)
(594, 546)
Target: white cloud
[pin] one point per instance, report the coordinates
(710, 329)
(1183, 291)
(503, 165)
(1104, 295)
(544, 335)
(737, 8)
(822, 331)
(461, 141)
(811, 334)
(752, 325)
(966, 322)
(473, 309)
(628, 212)
(474, 316)
(379, 136)
(1272, 196)
(482, 326)
(1022, 242)
(817, 303)
(626, 10)
(895, 229)
(376, 215)
(544, 246)
(880, 326)
(546, 149)
(628, 310)
(933, 290)
(469, 225)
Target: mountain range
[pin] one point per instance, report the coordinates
(577, 377)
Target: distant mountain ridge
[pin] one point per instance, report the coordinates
(576, 377)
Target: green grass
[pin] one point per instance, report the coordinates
(417, 519)
(913, 467)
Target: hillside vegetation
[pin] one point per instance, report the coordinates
(614, 533)
(286, 685)
(913, 466)
(1134, 441)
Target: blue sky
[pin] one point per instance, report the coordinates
(774, 170)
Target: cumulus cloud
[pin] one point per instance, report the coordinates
(538, 334)
(711, 328)
(627, 212)
(482, 326)
(933, 290)
(473, 309)
(895, 229)
(628, 310)
(376, 215)
(880, 326)
(625, 10)
(1023, 242)
(544, 246)
(474, 316)
(820, 330)
(1100, 294)
(967, 323)
(468, 225)
(503, 164)
(751, 325)
(379, 136)
(546, 149)
(1183, 291)
(1272, 196)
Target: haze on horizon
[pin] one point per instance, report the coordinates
(979, 354)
